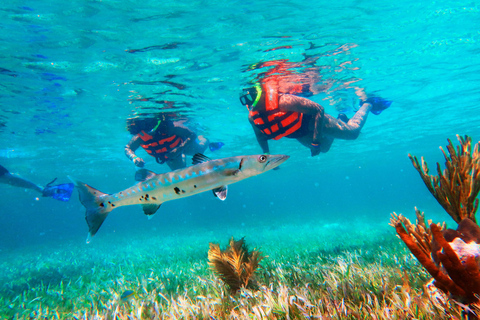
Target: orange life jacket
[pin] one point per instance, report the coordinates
(160, 145)
(273, 123)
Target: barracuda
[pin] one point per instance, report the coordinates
(204, 175)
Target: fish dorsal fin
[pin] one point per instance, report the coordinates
(200, 158)
(150, 209)
(221, 192)
(144, 174)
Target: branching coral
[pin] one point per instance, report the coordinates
(456, 275)
(451, 256)
(418, 239)
(464, 273)
(457, 187)
(236, 265)
(420, 231)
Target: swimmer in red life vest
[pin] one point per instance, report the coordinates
(274, 115)
(165, 140)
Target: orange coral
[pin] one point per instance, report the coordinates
(460, 279)
(420, 231)
(451, 256)
(465, 275)
(442, 281)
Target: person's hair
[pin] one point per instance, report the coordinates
(136, 125)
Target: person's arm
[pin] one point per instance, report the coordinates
(262, 141)
(288, 102)
(130, 148)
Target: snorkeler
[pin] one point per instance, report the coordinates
(60, 192)
(274, 115)
(166, 140)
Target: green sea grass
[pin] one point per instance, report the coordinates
(308, 273)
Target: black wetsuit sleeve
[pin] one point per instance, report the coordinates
(131, 146)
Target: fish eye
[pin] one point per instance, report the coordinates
(262, 158)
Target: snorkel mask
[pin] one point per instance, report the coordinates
(251, 96)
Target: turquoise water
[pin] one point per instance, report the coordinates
(73, 72)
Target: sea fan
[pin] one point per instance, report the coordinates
(235, 266)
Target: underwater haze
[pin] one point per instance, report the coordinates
(73, 72)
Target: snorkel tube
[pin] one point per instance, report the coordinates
(259, 94)
(156, 127)
(247, 98)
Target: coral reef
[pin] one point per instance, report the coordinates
(465, 274)
(451, 263)
(457, 187)
(450, 256)
(235, 265)
(419, 233)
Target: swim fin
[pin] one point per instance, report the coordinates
(378, 104)
(61, 192)
(215, 146)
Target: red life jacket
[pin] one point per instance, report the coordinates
(159, 147)
(273, 123)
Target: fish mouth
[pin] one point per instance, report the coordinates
(275, 161)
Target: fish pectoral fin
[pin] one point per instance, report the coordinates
(200, 158)
(221, 192)
(144, 174)
(150, 209)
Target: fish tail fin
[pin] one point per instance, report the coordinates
(92, 200)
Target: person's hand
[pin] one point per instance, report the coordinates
(315, 149)
(139, 162)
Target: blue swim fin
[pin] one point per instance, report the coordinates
(215, 146)
(378, 104)
(61, 192)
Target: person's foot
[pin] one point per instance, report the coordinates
(214, 146)
(343, 117)
(378, 104)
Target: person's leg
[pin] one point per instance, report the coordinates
(16, 181)
(350, 130)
